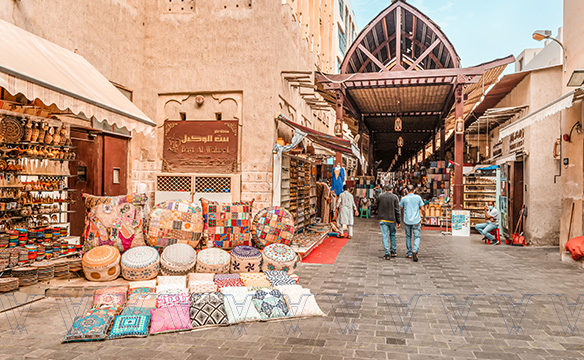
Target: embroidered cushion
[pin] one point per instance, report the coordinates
(245, 259)
(226, 276)
(175, 222)
(178, 259)
(279, 278)
(116, 221)
(270, 304)
(143, 301)
(213, 260)
(255, 280)
(140, 263)
(117, 300)
(208, 309)
(88, 328)
(200, 277)
(175, 281)
(101, 263)
(139, 311)
(105, 310)
(173, 300)
(130, 326)
(170, 319)
(272, 225)
(201, 286)
(238, 305)
(279, 257)
(139, 291)
(147, 283)
(227, 225)
(301, 302)
(228, 283)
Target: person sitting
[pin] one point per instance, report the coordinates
(365, 204)
(492, 216)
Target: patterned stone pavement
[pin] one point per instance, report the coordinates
(462, 300)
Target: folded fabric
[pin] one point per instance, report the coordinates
(201, 277)
(170, 319)
(105, 310)
(278, 278)
(130, 326)
(109, 299)
(229, 283)
(140, 311)
(238, 305)
(270, 304)
(173, 300)
(146, 283)
(202, 286)
(208, 309)
(89, 328)
(226, 276)
(142, 300)
(255, 280)
(178, 281)
(301, 302)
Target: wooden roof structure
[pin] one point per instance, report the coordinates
(403, 65)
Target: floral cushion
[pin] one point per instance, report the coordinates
(105, 310)
(140, 311)
(130, 326)
(199, 286)
(88, 328)
(270, 304)
(208, 309)
(255, 280)
(112, 290)
(227, 225)
(245, 259)
(238, 305)
(170, 319)
(116, 221)
(229, 283)
(301, 302)
(279, 257)
(146, 283)
(173, 300)
(278, 278)
(142, 300)
(173, 222)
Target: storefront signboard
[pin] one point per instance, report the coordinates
(516, 141)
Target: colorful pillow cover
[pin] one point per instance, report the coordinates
(117, 300)
(106, 310)
(130, 326)
(255, 280)
(272, 225)
(141, 290)
(208, 309)
(201, 277)
(176, 281)
(270, 304)
(142, 300)
(279, 257)
(138, 311)
(140, 263)
(301, 302)
(199, 286)
(173, 222)
(238, 305)
(170, 319)
(173, 300)
(229, 283)
(112, 290)
(146, 283)
(279, 278)
(245, 259)
(88, 328)
(226, 276)
(115, 220)
(227, 225)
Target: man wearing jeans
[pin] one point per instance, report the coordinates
(389, 217)
(492, 216)
(412, 205)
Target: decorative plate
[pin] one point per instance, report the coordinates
(12, 129)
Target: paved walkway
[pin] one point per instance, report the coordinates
(442, 326)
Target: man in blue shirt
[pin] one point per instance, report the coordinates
(412, 205)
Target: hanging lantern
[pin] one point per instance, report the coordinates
(459, 127)
(400, 142)
(395, 157)
(399, 151)
(398, 124)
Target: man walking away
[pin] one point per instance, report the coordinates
(412, 205)
(492, 216)
(389, 215)
(346, 206)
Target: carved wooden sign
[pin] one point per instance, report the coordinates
(200, 146)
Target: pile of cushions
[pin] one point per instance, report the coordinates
(173, 222)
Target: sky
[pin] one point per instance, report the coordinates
(480, 30)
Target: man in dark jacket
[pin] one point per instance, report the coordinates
(389, 215)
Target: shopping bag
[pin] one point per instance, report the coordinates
(517, 236)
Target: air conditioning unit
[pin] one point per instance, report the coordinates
(192, 187)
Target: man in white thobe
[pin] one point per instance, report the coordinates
(347, 207)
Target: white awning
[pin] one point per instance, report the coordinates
(561, 103)
(40, 69)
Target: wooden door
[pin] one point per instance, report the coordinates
(115, 165)
(515, 193)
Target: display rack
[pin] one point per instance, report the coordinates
(298, 190)
(479, 190)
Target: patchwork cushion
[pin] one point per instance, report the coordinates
(245, 259)
(178, 259)
(279, 257)
(130, 326)
(170, 319)
(142, 301)
(200, 277)
(213, 260)
(228, 283)
(301, 302)
(201, 286)
(227, 225)
(279, 278)
(88, 328)
(272, 225)
(255, 280)
(101, 263)
(147, 283)
(176, 281)
(226, 276)
(175, 222)
(270, 304)
(116, 221)
(140, 263)
(173, 300)
(105, 310)
(138, 311)
(208, 309)
(238, 305)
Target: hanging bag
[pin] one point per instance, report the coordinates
(518, 238)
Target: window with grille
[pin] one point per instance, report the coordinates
(213, 185)
(174, 183)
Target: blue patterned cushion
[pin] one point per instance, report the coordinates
(279, 278)
(130, 326)
(270, 304)
(136, 311)
(88, 328)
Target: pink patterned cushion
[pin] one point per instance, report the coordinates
(229, 283)
(142, 300)
(173, 300)
(170, 319)
(109, 299)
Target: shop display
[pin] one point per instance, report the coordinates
(227, 225)
(45, 270)
(178, 259)
(102, 263)
(174, 222)
(140, 263)
(213, 260)
(170, 319)
(26, 275)
(279, 257)
(314, 235)
(130, 326)
(272, 225)
(245, 259)
(300, 190)
(478, 192)
(338, 179)
(207, 309)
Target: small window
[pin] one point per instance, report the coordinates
(218, 116)
(81, 174)
(116, 176)
(124, 90)
(183, 116)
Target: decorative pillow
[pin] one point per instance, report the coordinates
(170, 319)
(140, 263)
(173, 300)
(178, 259)
(142, 300)
(201, 277)
(245, 259)
(255, 280)
(279, 257)
(137, 311)
(270, 304)
(286, 288)
(301, 302)
(228, 283)
(88, 328)
(226, 276)
(272, 225)
(109, 300)
(213, 260)
(199, 286)
(173, 222)
(256, 288)
(170, 289)
(105, 310)
(208, 309)
(177, 281)
(140, 291)
(227, 225)
(116, 220)
(147, 284)
(279, 278)
(130, 326)
(238, 305)
(112, 290)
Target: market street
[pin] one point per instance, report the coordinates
(448, 265)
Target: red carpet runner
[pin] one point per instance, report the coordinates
(327, 252)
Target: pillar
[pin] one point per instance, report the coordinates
(458, 150)
(443, 143)
(339, 123)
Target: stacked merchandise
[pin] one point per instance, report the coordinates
(26, 275)
(299, 191)
(8, 284)
(438, 176)
(478, 191)
(294, 189)
(46, 270)
(61, 268)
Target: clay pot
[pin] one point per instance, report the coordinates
(49, 136)
(63, 133)
(35, 133)
(28, 131)
(43, 132)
